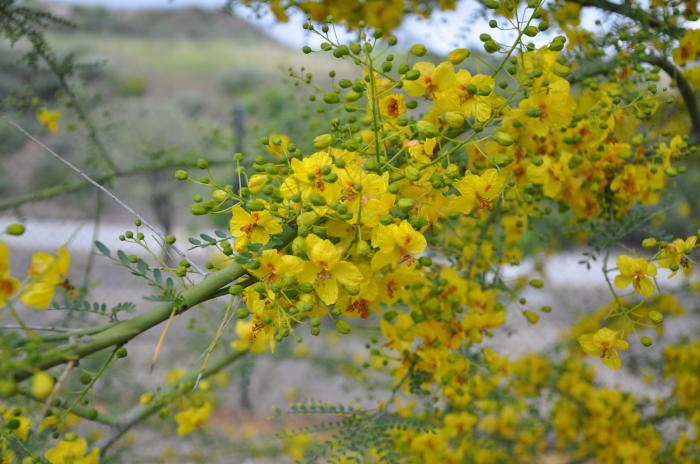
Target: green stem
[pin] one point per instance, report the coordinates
(121, 332)
(634, 13)
(75, 186)
(140, 413)
(78, 410)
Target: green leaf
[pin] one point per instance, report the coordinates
(102, 248)
(142, 266)
(157, 276)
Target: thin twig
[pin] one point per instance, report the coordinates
(38, 329)
(102, 188)
(55, 390)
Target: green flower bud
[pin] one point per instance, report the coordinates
(503, 138)
(491, 46)
(646, 341)
(317, 199)
(649, 242)
(298, 246)
(242, 312)
(656, 317)
(331, 98)
(323, 141)
(180, 174)
(537, 283)
(412, 173)
(15, 229)
(342, 327)
(235, 289)
(121, 352)
(405, 204)
(412, 75)
(306, 287)
(531, 31)
(418, 50)
(427, 129)
(531, 316)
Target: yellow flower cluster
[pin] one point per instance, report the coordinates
(46, 272)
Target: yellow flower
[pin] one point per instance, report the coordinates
(674, 256)
(473, 104)
(422, 151)
(434, 81)
(277, 144)
(635, 271)
(326, 270)
(192, 418)
(22, 431)
(8, 284)
(392, 106)
(548, 110)
(253, 227)
(397, 244)
(603, 343)
(688, 49)
(250, 337)
(275, 266)
(479, 190)
(49, 119)
(46, 271)
(72, 452)
(552, 175)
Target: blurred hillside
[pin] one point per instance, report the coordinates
(159, 84)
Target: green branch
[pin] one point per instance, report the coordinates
(686, 91)
(70, 187)
(78, 410)
(121, 332)
(140, 413)
(634, 13)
